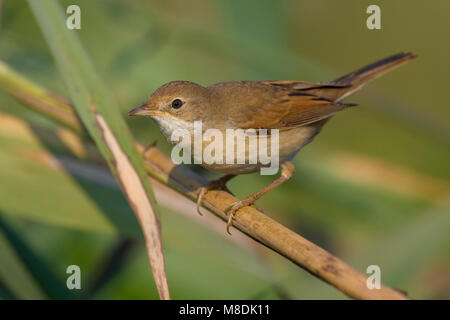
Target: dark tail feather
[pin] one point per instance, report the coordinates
(360, 77)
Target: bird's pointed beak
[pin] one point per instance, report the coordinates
(144, 110)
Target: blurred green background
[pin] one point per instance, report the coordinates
(373, 188)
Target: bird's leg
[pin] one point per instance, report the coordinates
(287, 170)
(220, 184)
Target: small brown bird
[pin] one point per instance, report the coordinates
(297, 109)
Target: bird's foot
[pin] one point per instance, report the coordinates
(287, 169)
(235, 206)
(219, 184)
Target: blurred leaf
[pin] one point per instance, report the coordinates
(100, 114)
(196, 268)
(14, 274)
(37, 268)
(403, 253)
(60, 192)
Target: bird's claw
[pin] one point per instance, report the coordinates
(232, 209)
(219, 184)
(200, 197)
(230, 222)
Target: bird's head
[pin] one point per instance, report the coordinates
(180, 100)
(175, 105)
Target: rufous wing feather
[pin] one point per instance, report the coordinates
(291, 109)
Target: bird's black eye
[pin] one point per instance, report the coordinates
(177, 103)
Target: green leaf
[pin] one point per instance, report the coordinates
(59, 189)
(99, 113)
(37, 268)
(14, 275)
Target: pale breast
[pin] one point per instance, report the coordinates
(289, 142)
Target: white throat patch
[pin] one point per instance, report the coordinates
(169, 124)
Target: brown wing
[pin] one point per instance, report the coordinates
(289, 108)
(329, 90)
(298, 103)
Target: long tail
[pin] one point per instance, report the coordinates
(357, 79)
